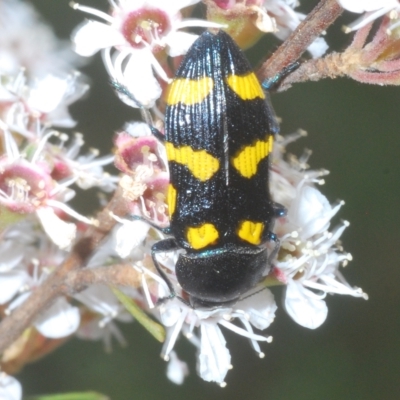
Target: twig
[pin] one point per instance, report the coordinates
(316, 22)
(333, 65)
(116, 275)
(12, 326)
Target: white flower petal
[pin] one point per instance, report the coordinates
(260, 308)
(92, 36)
(10, 388)
(264, 22)
(129, 236)
(48, 93)
(318, 47)
(58, 321)
(12, 253)
(139, 79)
(304, 307)
(170, 311)
(61, 117)
(137, 129)
(100, 299)
(10, 283)
(60, 232)
(95, 330)
(179, 42)
(359, 6)
(214, 358)
(311, 211)
(177, 370)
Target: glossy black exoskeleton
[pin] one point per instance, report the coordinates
(219, 131)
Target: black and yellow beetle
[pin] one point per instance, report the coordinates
(219, 131)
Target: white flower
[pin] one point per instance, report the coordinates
(10, 388)
(311, 211)
(59, 320)
(28, 182)
(310, 256)
(100, 299)
(61, 233)
(214, 361)
(16, 286)
(129, 236)
(11, 283)
(27, 42)
(45, 99)
(130, 38)
(372, 10)
(85, 170)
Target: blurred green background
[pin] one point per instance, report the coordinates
(354, 131)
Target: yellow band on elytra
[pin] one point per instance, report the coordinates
(247, 159)
(200, 163)
(202, 236)
(247, 87)
(189, 91)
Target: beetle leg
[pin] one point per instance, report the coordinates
(272, 118)
(157, 134)
(279, 210)
(273, 83)
(273, 238)
(166, 230)
(122, 89)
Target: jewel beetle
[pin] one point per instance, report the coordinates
(219, 132)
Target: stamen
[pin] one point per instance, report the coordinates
(242, 332)
(146, 291)
(174, 335)
(366, 19)
(68, 210)
(93, 11)
(42, 143)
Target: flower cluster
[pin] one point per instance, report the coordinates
(38, 167)
(41, 168)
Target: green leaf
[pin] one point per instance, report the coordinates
(70, 396)
(8, 218)
(153, 327)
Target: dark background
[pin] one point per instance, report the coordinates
(353, 132)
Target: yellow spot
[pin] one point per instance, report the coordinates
(201, 236)
(171, 199)
(200, 163)
(251, 231)
(246, 87)
(189, 91)
(247, 159)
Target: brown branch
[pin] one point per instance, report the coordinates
(117, 275)
(12, 326)
(332, 66)
(323, 15)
